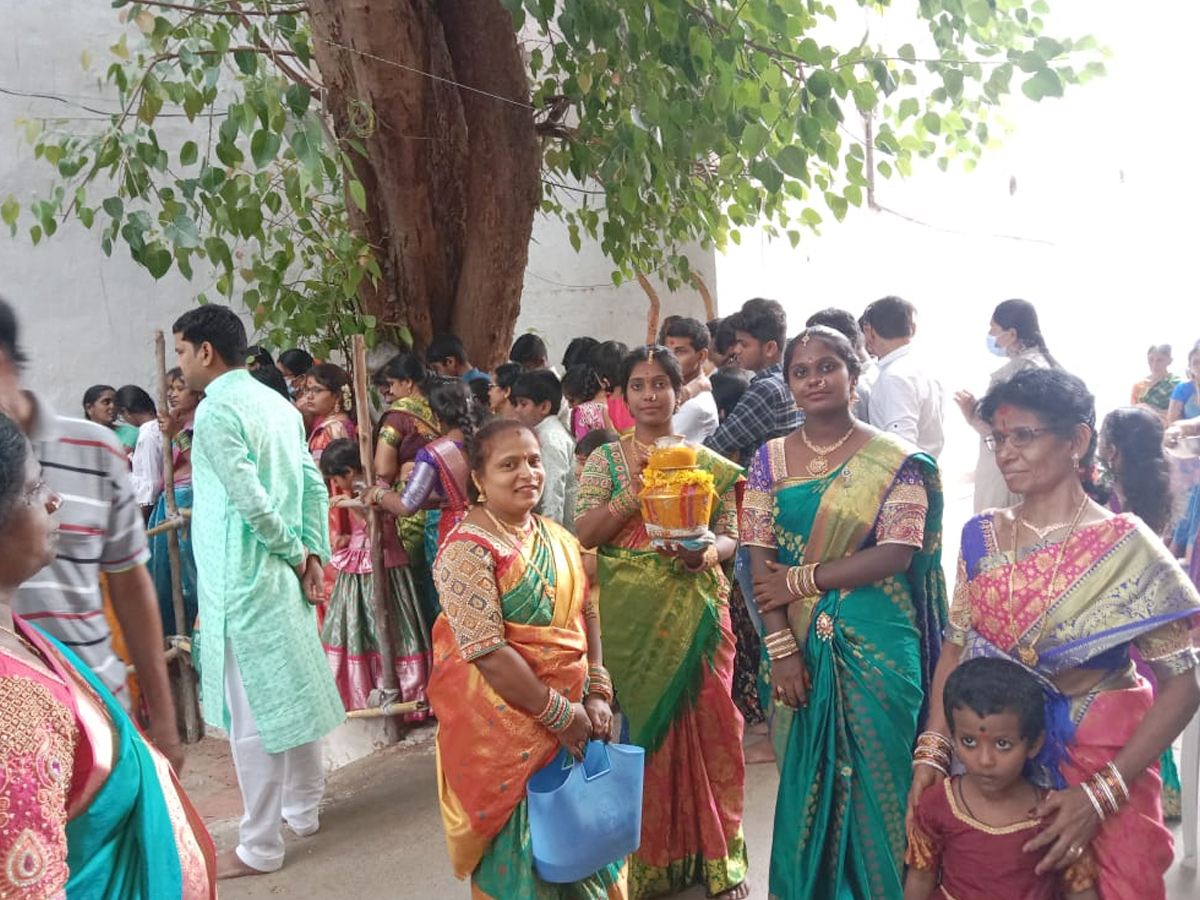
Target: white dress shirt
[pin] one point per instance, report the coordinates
(697, 418)
(907, 401)
(147, 475)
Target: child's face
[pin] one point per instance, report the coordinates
(991, 747)
(344, 482)
(580, 462)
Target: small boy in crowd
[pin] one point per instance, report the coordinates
(536, 397)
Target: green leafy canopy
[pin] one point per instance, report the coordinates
(664, 122)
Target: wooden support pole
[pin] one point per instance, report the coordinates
(187, 677)
(383, 612)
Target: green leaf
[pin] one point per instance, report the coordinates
(909, 107)
(182, 231)
(952, 78)
(307, 152)
(218, 252)
(932, 122)
(9, 210)
(358, 193)
(979, 11)
(837, 205)
(754, 138)
(264, 145)
(114, 207)
(298, 97)
(230, 155)
(246, 60)
(1045, 83)
(157, 260)
(792, 161)
(188, 153)
(809, 51)
(820, 84)
(1047, 48)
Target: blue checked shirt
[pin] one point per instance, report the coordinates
(767, 410)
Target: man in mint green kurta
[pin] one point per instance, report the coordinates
(259, 533)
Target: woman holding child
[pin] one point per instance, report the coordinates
(1064, 587)
(844, 528)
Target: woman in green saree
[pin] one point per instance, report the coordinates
(843, 523)
(669, 647)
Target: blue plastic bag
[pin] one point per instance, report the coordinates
(585, 815)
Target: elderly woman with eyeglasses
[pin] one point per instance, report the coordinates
(1061, 585)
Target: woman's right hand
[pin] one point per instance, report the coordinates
(168, 424)
(924, 777)
(771, 591)
(576, 735)
(789, 681)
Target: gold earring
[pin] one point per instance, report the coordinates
(479, 489)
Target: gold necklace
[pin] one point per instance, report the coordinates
(1044, 530)
(819, 464)
(1028, 653)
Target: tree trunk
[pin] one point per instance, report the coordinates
(502, 174)
(451, 176)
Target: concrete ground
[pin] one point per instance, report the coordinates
(381, 832)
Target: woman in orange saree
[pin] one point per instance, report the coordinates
(518, 672)
(1064, 587)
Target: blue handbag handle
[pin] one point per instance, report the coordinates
(596, 763)
(597, 750)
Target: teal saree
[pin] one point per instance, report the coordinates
(845, 760)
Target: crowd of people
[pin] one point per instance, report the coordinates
(1009, 738)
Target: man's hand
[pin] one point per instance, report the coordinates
(312, 580)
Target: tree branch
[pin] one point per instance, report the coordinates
(232, 13)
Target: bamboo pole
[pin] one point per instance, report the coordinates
(166, 525)
(388, 710)
(187, 679)
(383, 617)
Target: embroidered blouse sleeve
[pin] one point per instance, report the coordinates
(960, 607)
(37, 757)
(757, 522)
(1168, 649)
(465, 575)
(595, 484)
(925, 841)
(902, 518)
(725, 518)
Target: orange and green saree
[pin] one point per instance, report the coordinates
(531, 600)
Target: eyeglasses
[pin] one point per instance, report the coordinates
(41, 493)
(1017, 438)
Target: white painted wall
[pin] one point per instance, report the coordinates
(87, 318)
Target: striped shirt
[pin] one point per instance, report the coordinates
(100, 530)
